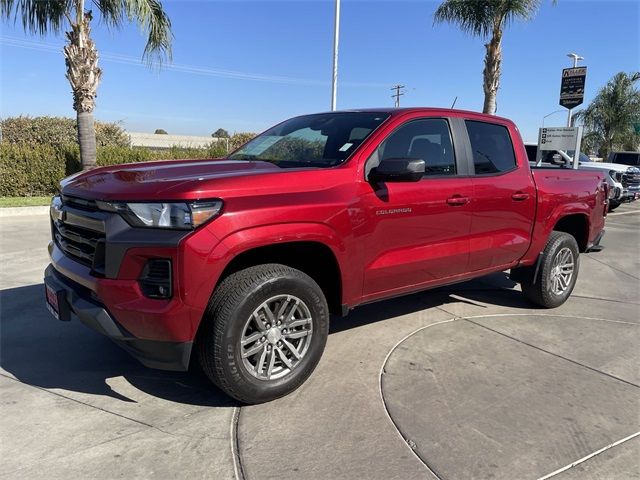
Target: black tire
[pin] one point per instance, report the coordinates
(231, 307)
(613, 205)
(540, 290)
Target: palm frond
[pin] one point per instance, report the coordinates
(518, 10)
(473, 17)
(37, 16)
(151, 18)
(482, 17)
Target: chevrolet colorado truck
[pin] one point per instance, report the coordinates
(239, 262)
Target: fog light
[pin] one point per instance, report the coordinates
(155, 281)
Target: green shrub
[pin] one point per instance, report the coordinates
(57, 131)
(29, 170)
(239, 139)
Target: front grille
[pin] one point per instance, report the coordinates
(79, 203)
(630, 180)
(78, 234)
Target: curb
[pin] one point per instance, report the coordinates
(20, 211)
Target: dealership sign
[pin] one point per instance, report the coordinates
(572, 86)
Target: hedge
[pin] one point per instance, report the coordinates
(36, 170)
(57, 131)
(37, 152)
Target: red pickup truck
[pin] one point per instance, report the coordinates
(240, 261)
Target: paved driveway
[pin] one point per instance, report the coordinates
(463, 382)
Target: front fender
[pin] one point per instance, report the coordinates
(247, 239)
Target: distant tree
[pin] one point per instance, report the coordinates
(220, 133)
(484, 19)
(45, 17)
(239, 139)
(609, 119)
(160, 131)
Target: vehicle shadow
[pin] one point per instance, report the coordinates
(41, 351)
(495, 290)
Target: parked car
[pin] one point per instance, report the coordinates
(625, 158)
(624, 181)
(237, 263)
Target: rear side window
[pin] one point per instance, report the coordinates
(492, 147)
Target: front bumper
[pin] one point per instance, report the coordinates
(80, 301)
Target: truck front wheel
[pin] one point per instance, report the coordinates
(264, 332)
(557, 272)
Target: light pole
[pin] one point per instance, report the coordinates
(336, 38)
(549, 114)
(576, 59)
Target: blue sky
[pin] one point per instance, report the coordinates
(244, 65)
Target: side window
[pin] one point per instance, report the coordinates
(492, 147)
(428, 139)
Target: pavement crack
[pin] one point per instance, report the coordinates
(603, 299)
(612, 267)
(575, 362)
(591, 455)
(139, 422)
(235, 445)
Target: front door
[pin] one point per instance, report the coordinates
(418, 231)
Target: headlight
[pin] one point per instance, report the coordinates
(617, 176)
(181, 216)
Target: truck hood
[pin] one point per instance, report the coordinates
(181, 179)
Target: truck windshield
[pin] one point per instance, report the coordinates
(321, 140)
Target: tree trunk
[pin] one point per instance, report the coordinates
(491, 73)
(83, 73)
(86, 140)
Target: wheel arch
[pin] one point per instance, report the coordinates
(314, 258)
(576, 225)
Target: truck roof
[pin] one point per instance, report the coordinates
(398, 111)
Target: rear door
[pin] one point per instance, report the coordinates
(504, 195)
(418, 231)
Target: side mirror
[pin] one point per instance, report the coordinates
(557, 159)
(398, 170)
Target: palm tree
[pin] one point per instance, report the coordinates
(81, 56)
(609, 119)
(487, 18)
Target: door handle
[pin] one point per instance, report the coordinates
(457, 200)
(520, 196)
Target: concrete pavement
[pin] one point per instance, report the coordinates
(545, 389)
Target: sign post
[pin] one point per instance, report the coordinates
(572, 88)
(561, 140)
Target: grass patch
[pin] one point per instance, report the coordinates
(24, 201)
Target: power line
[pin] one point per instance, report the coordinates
(182, 68)
(398, 94)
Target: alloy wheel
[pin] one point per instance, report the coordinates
(276, 337)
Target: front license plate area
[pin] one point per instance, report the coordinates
(56, 303)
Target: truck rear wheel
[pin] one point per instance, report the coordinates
(557, 273)
(264, 332)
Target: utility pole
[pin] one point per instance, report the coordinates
(336, 38)
(576, 59)
(398, 94)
